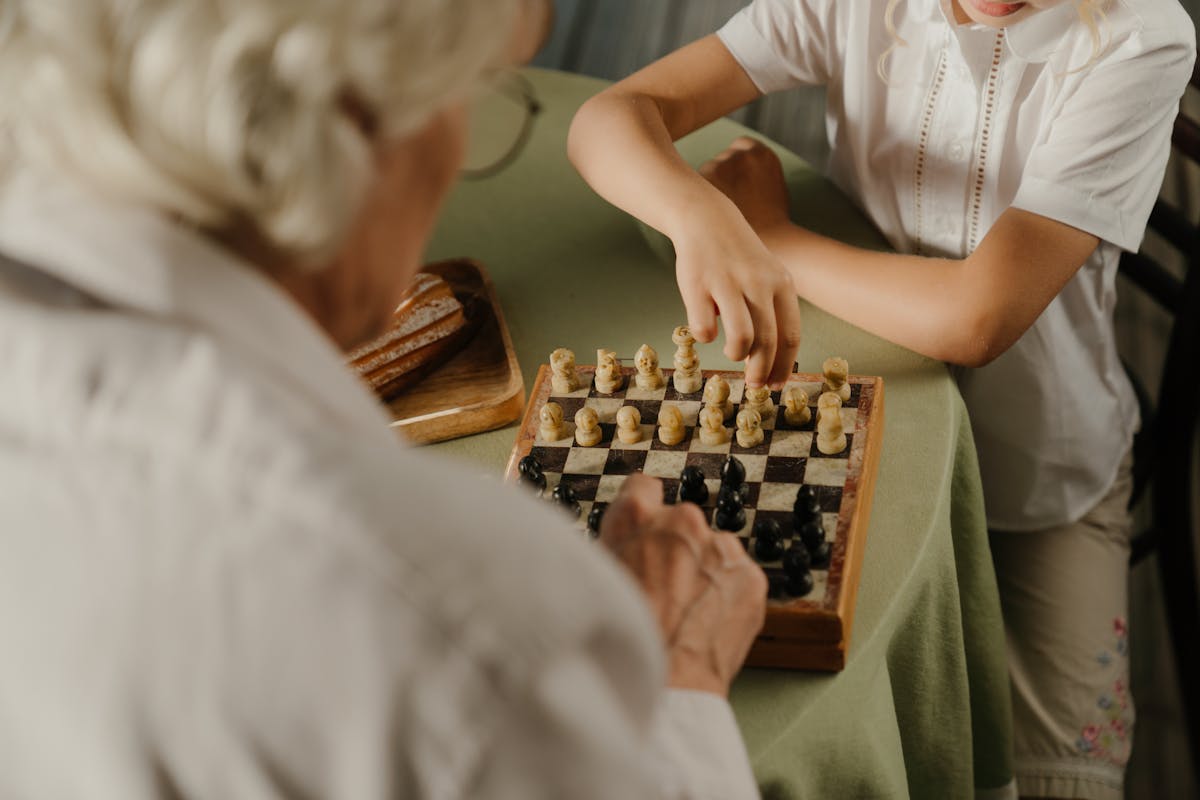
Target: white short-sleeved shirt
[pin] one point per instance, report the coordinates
(973, 121)
(222, 577)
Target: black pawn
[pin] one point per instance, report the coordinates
(732, 494)
(806, 508)
(797, 559)
(529, 465)
(593, 520)
(733, 472)
(565, 496)
(777, 586)
(821, 555)
(692, 488)
(730, 516)
(768, 540)
(800, 584)
(533, 480)
(812, 534)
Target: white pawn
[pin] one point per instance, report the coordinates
(564, 379)
(629, 425)
(759, 398)
(712, 426)
(687, 377)
(831, 437)
(649, 374)
(550, 426)
(609, 377)
(828, 401)
(670, 425)
(716, 393)
(749, 428)
(587, 427)
(795, 406)
(837, 372)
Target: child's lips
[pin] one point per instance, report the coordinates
(997, 9)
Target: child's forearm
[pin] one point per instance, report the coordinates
(621, 146)
(925, 304)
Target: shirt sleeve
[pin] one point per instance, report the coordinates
(1101, 156)
(579, 733)
(782, 44)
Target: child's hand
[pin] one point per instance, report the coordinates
(750, 174)
(724, 269)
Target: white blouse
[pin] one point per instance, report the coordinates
(972, 121)
(221, 577)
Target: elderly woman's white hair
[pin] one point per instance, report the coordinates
(227, 113)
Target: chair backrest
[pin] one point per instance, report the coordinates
(1165, 451)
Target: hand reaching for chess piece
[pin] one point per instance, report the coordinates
(707, 594)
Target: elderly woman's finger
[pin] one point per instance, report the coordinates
(639, 497)
(787, 319)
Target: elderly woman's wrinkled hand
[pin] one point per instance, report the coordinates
(707, 594)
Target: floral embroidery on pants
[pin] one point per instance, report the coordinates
(1108, 738)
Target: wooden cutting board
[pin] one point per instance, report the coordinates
(480, 388)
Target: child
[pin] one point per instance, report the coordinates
(1009, 152)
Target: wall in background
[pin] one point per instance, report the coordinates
(613, 38)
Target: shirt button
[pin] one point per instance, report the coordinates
(957, 151)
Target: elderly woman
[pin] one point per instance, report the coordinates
(219, 575)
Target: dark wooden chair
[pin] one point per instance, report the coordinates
(1164, 450)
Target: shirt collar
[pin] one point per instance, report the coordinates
(1033, 39)
(133, 258)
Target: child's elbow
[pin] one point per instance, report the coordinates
(981, 340)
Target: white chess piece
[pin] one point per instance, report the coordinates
(564, 379)
(749, 428)
(629, 425)
(712, 426)
(609, 377)
(795, 406)
(686, 377)
(670, 425)
(759, 398)
(837, 372)
(587, 427)
(649, 374)
(831, 437)
(550, 425)
(716, 393)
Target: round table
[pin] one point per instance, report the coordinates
(922, 707)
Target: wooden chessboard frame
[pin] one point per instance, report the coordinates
(799, 633)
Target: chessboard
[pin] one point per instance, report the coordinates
(801, 632)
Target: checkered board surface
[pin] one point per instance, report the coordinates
(808, 632)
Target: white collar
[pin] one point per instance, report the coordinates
(133, 258)
(1034, 39)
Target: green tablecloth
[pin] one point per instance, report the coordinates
(922, 708)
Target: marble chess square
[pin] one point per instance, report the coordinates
(586, 460)
(606, 407)
(606, 490)
(634, 392)
(552, 459)
(625, 462)
(793, 444)
(778, 496)
(785, 469)
(826, 471)
(665, 463)
(585, 486)
(755, 467)
(648, 409)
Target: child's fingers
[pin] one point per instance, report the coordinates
(701, 311)
(735, 318)
(787, 317)
(762, 350)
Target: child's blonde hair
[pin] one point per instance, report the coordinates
(1090, 14)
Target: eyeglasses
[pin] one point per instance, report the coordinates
(500, 125)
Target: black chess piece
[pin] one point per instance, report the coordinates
(739, 493)
(529, 465)
(777, 586)
(730, 515)
(692, 488)
(768, 540)
(593, 520)
(821, 555)
(807, 506)
(566, 497)
(534, 480)
(733, 472)
(800, 584)
(797, 559)
(812, 534)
